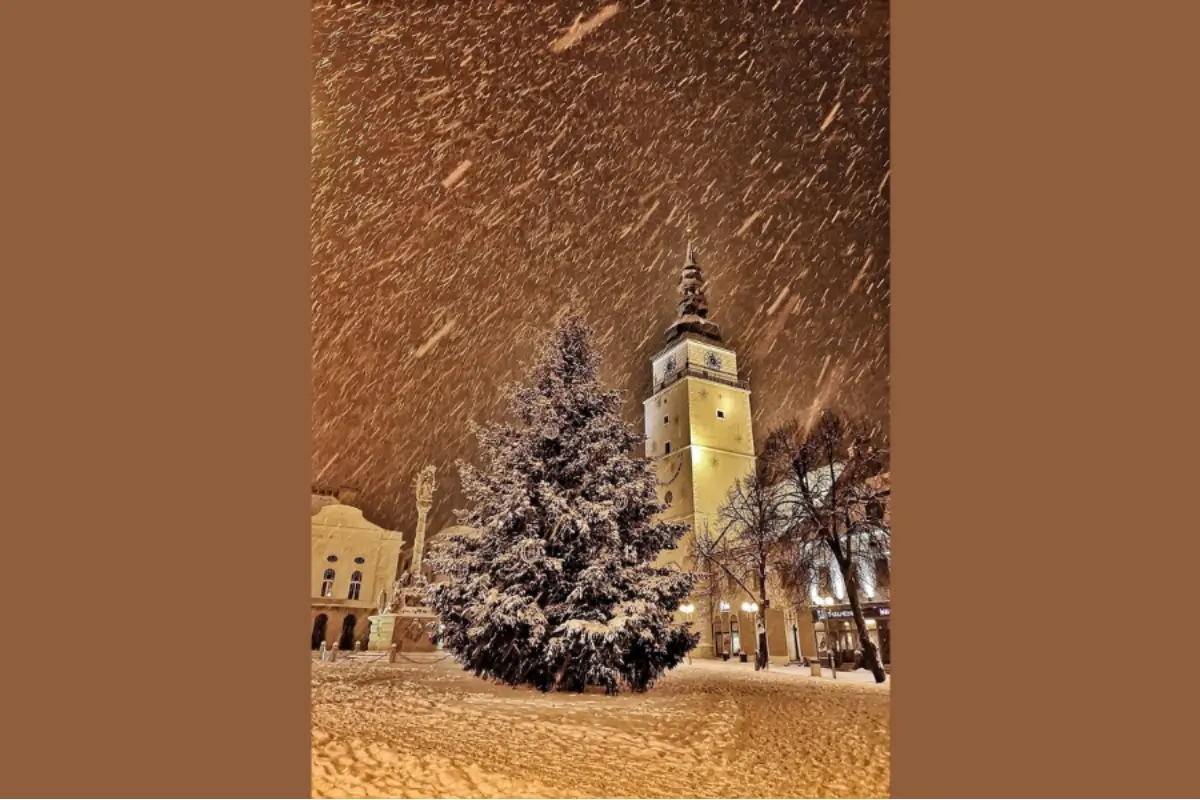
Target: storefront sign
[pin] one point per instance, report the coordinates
(845, 612)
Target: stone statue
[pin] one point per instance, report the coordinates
(398, 600)
(426, 484)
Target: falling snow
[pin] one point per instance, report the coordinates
(580, 29)
(474, 162)
(457, 175)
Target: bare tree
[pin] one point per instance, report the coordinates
(832, 496)
(750, 536)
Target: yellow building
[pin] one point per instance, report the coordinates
(698, 430)
(354, 565)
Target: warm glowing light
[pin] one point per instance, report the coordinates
(687, 608)
(828, 601)
(724, 605)
(749, 608)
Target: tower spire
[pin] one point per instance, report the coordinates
(693, 302)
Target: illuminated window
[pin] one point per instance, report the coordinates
(327, 583)
(355, 585)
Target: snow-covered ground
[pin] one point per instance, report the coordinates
(425, 728)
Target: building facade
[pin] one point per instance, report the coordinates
(823, 626)
(699, 433)
(354, 565)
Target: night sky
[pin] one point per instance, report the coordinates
(472, 162)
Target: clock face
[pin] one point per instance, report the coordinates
(712, 360)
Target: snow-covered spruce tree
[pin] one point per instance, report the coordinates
(555, 585)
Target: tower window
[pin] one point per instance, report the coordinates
(666, 419)
(355, 585)
(668, 447)
(720, 414)
(327, 583)
(670, 498)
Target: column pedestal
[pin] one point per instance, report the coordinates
(383, 629)
(409, 630)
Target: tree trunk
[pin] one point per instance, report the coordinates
(760, 619)
(870, 654)
(761, 655)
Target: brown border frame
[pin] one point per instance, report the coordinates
(158, 398)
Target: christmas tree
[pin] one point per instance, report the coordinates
(555, 585)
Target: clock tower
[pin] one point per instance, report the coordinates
(698, 427)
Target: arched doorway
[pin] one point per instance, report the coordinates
(318, 632)
(347, 640)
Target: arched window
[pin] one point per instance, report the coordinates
(327, 583)
(669, 499)
(355, 585)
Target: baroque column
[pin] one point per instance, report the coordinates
(425, 485)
